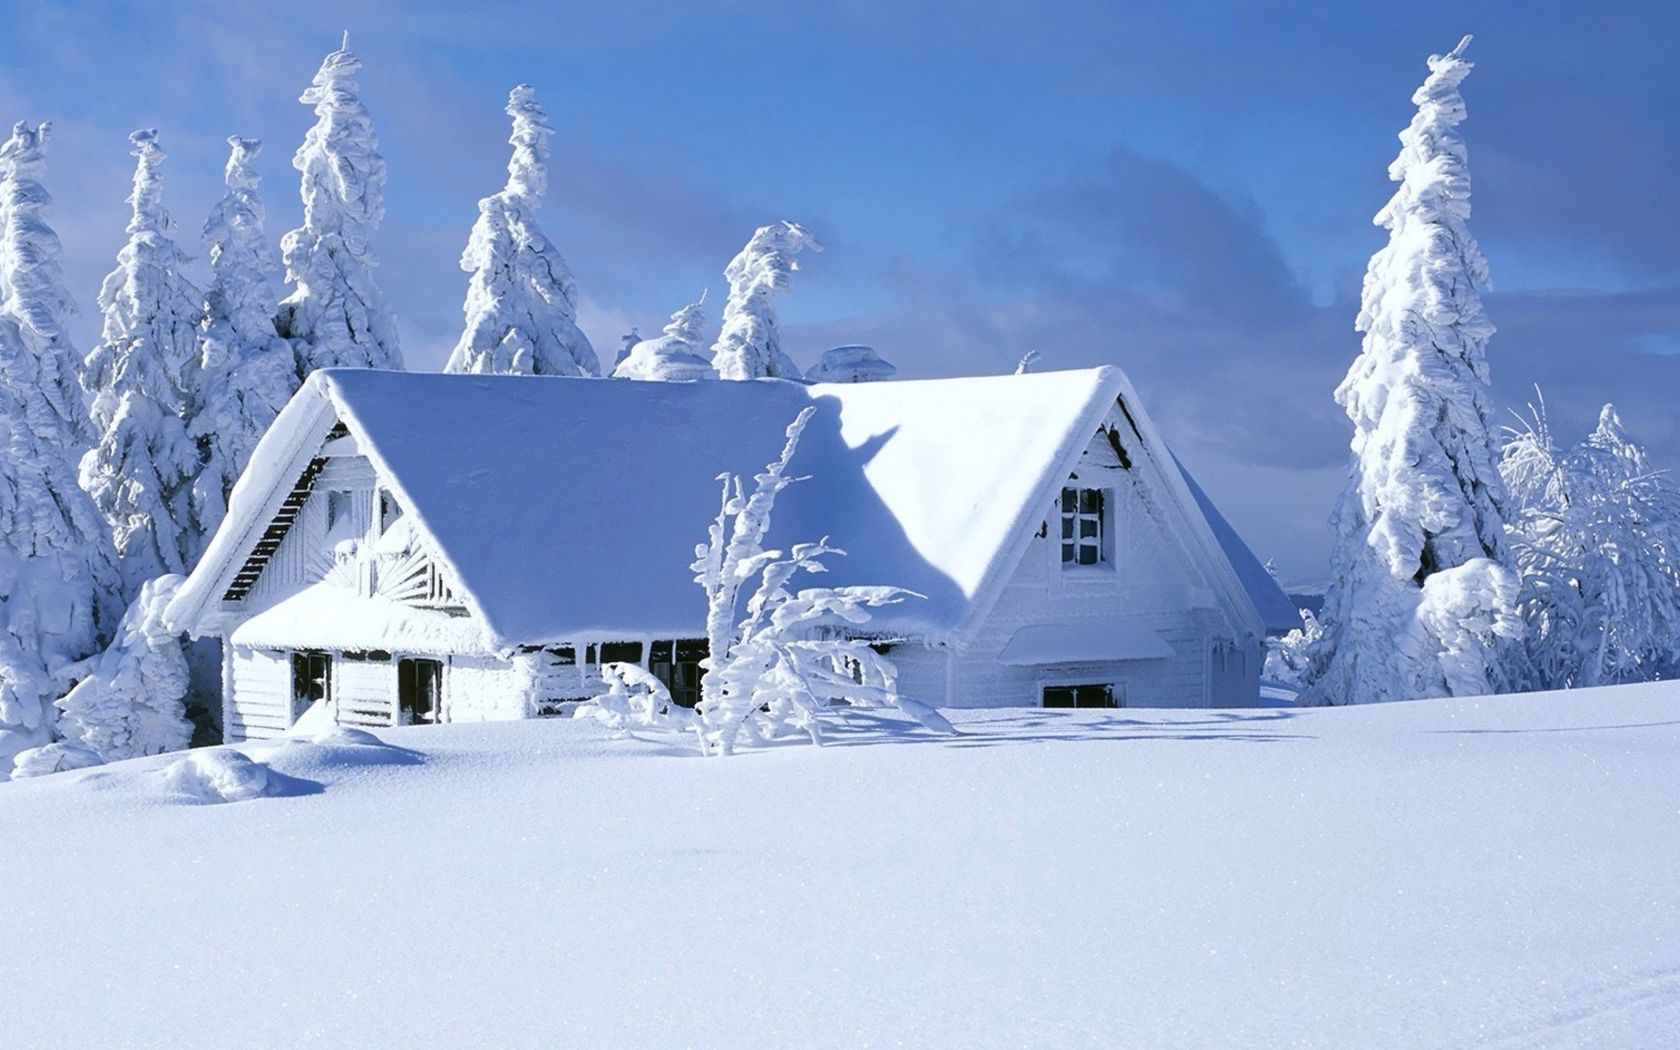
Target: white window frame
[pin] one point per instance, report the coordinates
(1071, 527)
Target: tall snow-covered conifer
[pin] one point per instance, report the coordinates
(521, 308)
(750, 345)
(144, 380)
(249, 372)
(58, 577)
(336, 316)
(674, 355)
(1422, 596)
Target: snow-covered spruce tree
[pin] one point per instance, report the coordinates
(143, 378)
(248, 371)
(336, 316)
(674, 356)
(58, 577)
(750, 345)
(130, 704)
(851, 364)
(1421, 601)
(521, 300)
(1596, 531)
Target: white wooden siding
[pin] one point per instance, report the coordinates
(261, 705)
(364, 692)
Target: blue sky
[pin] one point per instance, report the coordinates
(1183, 189)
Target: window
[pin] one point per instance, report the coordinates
(311, 680)
(340, 516)
(389, 511)
(1079, 696)
(419, 692)
(620, 652)
(1084, 526)
(677, 664)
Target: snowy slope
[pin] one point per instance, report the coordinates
(1501, 872)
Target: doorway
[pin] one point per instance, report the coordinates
(419, 692)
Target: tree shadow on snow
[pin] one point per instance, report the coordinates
(1036, 725)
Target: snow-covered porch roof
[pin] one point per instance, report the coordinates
(570, 508)
(1040, 644)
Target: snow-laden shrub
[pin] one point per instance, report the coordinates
(1596, 532)
(777, 657)
(635, 697)
(750, 345)
(131, 703)
(676, 355)
(1289, 658)
(52, 758)
(851, 364)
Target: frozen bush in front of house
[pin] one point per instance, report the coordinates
(778, 663)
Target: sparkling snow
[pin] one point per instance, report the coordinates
(1495, 872)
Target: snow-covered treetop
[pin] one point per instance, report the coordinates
(851, 364)
(674, 356)
(343, 172)
(240, 256)
(750, 344)
(337, 316)
(521, 306)
(249, 371)
(528, 166)
(32, 288)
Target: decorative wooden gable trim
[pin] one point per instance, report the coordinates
(278, 527)
(415, 579)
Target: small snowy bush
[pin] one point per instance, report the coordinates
(776, 663)
(1289, 659)
(132, 702)
(1596, 531)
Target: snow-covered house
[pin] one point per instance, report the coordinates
(424, 547)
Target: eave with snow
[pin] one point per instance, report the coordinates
(463, 547)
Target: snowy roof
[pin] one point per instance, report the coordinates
(1274, 606)
(1082, 643)
(564, 508)
(334, 616)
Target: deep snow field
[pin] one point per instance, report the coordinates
(1499, 872)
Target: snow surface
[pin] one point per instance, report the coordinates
(924, 483)
(1492, 872)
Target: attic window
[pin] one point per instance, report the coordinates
(1084, 526)
(389, 511)
(340, 513)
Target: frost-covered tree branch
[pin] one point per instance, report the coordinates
(131, 702)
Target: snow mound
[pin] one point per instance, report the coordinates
(53, 758)
(218, 775)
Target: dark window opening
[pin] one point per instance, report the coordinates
(419, 692)
(1079, 696)
(677, 664)
(621, 652)
(311, 680)
(389, 511)
(1084, 526)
